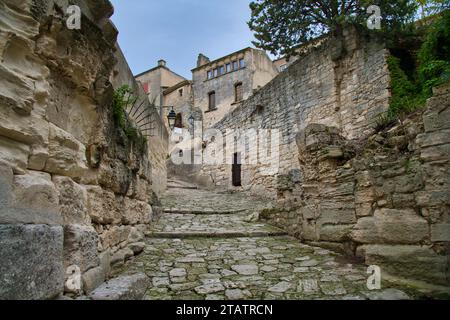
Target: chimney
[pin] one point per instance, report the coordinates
(162, 63)
(202, 60)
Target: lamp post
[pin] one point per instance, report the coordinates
(191, 120)
(171, 117)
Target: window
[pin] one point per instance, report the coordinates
(210, 74)
(241, 63)
(216, 72)
(212, 100)
(180, 92)
(221, 70)
(228, 67)
(235, 65)
(238, 93)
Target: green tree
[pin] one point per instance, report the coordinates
(430, 7)
(282, 25)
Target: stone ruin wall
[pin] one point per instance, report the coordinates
(388, 207)
(386, 201)
(74, 190)
(303, 94)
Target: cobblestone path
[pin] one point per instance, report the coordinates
(203, 248)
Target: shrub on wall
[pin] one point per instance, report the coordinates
(412, 85)
(123, 97)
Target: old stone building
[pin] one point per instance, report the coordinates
(158, 79)
(221, 85)
(168, 91)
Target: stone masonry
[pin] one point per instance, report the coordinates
(209, 245)
(75, 193)
(344, 84)
(384, 199)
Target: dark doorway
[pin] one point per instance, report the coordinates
(179, 121)
(236, 170)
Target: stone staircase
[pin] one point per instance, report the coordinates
(193, 213)
(204, 247)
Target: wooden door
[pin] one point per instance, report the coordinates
(236, 170)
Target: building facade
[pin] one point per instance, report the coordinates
(158, 79)
(221, 85)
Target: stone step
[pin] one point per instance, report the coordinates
(202, 212)
(131, 287)
(182, 187)
(224, 234)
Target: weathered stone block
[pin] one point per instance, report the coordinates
(440, 232)
(136, 212)
(105, 262)
(80, 247)
(16, 92)
(336, 233)
(330, 215)
(34, 200)
(137, 247)
(391, 226)
(92, 279)
(415, 262)
(116, 176)
(437, 115)
(123, 288)
(120, 256)
(436, 153)
(73, 201)
(433, 138)
(31, 265)
(114, 235)
(104, 207)
(433, 197)
(6, 181)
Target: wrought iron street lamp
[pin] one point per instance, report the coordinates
(191, 120)
(171, 117)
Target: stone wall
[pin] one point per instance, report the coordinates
(385, 199)
(344, 84)
(75, 193)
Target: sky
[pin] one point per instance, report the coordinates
(178, 30)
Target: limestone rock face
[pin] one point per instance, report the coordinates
(31, 266)
(72, 184)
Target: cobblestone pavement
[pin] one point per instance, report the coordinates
(204, 256)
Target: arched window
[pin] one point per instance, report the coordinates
(238, 93)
